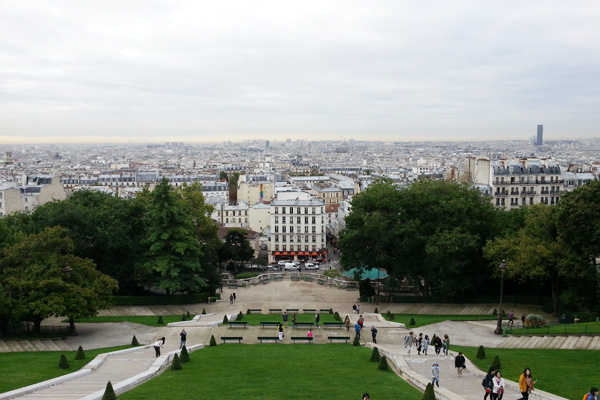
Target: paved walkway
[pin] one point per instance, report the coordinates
(285, 294)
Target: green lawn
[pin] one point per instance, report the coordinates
(585, 328)
(144, 319)
(26, 368)
(425, 319)
(256, 319)
(275, 371)
(567, 373)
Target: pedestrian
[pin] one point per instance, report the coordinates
(592, 395)
(438, 344)
(511, 317)
(459, 363)
(361, 321)
(446, 344)
(366, 396)
(498, 388)
(374, 334)
(358, 308)
(294, 319)
(488, 384)
(523, 320)
(285, 317)
(309, 334)
(354, 308)
(435, 374)
(409, 340)
(230, 299)
(317, 318)
(157, 345)
(280, 331)
(526, 383)
(183, 336)
(234, 298)
(419, 343)
(347, 322)
(220, 288)
(425, 344)
(357, 330)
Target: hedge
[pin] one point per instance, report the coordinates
(465, 299)
(162, 300)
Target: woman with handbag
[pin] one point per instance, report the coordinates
(498, 389)
(488, 383)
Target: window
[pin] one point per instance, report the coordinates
(276, 238)
(298, 220)
(283, 238)
(314, 229)
(283, 220)
(291, 238)
(306, 239)
(306, 220)
(298, 210)
(226, 220)
(314, 238)
(276, 247)
(291, 246)
(305, 210)
(276, 228)
(284, 247)
(276, 220)
(306, 248)
(283, 229)
(306, 229)
(314, 248)
(314, 220)
(291, 229)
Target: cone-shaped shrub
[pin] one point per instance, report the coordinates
(80, 354)
(183, 317)
(225, 320)
(376, 311)
(203, 311)
(213, 342)
(429, 395)
(356, 341)
(412, 322)
(337, 317)
(495, 312)
(331, 311)
(184, 356)
(63, 363)
(496, 364)
(134, 342)
(240, 316)
(188, 315)
(383, 364)
(160, 321)
(481, 353)
(109, 393)
(247, 311)
(375, 357)
(390, 315)
(176, 366)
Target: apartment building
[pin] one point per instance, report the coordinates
(327, 194)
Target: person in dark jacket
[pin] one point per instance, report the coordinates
(459, 363)
(488, 383)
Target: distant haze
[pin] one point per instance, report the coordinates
(207, 71)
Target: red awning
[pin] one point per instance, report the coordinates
(292, 253)
(314, 253)
(277, 253)
(285, 253)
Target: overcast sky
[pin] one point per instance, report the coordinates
(197, 71)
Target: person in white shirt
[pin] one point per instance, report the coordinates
(158, 344)
(498, 390)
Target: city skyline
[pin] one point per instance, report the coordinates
(152, 71)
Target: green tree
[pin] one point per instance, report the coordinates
(236, 247)
(40, 277)
(173, 256)
(430, 234)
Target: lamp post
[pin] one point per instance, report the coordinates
(67, 271)
(503, 268)
(378, 283)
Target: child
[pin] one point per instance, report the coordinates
(435, 374)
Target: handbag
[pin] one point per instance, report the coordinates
(500, 390)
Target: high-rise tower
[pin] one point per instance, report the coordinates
(540, 135)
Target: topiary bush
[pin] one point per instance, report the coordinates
(188, 315)
(376, 311)
(247, 311)
(535, 321)
(240, 316)
(204, 311)
(80, 354)
(481, 353)
(134, 342)
(160, 321)
(184, 356)
(429, 394)
(383, 364)
(109, 393)
(183, 317)
(375, 356)
(495, 312)
(389, 315)
(225, 320)
(412, 322)
(176, 366)
(356, 341)
(496, 364)
(337, 316)
(331, 311)
(213, 342)
(63, 362)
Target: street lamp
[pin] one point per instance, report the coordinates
(67, 272)
(503, 268)
(378, 284)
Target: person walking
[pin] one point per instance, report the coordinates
(234, 298)
(230, 299)
(285, 318)
(409, 340)
(488, 384)
(592, 395)
(438, 344)
(425, 344)
(157, 345)
(317, 318)
(357, 330)
(354, 308)
(446, 345)
(419, 343)
(511, 318)
(374, 334)
(459, 363)
(435, 374)
(361, 321)
(526, 383)
(347, 322)
(523, 320)
(358, 308)
(183, 336)
(294, 319)
(280, 331)
(498, 388)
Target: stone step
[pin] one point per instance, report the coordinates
(583, 343)
(510, 342)
(595, 345)
(569, 342)
(39, 345)
(14, 345)
(63, 345)
(533, 342)
(4, 347)
(27, 345)
(542, 344)
(556, 342)
(50, 345)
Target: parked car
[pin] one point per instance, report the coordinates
(282, 263)
(291, 267)
(309, 265)
(272, 268)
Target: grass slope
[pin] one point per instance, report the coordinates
(23, 369)
(426, 319)
(277, 372)
(567, 373)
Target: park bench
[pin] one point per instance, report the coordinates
(243, 324)
(292, 309)
(271, 338)
(305, 324)
(331, 324)
(266, 280)
(254, 310)
(268, 323)
(272, 310)
(302, 339)
(310, 310)
(324, 310)
(226, 338)
(232, 286)
(321, 281)
(278, 278)
(295, 278)
(308, 278)
(332, 338)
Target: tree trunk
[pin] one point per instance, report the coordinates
(72, 330)
(37, 324)
(554, 286)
